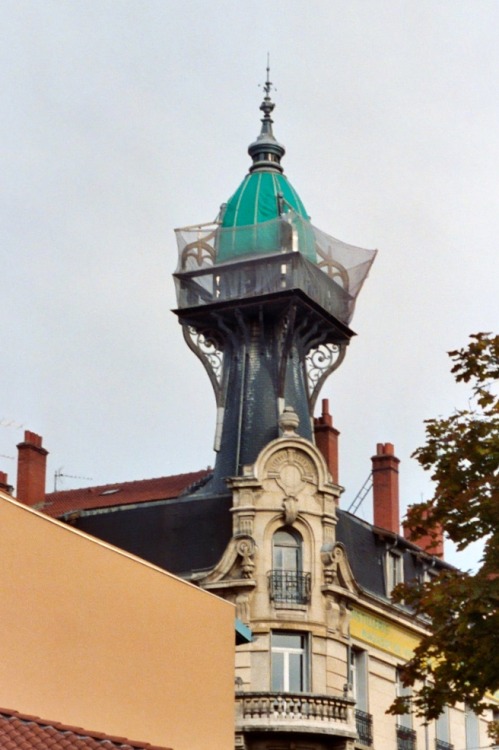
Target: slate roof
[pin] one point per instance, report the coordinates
(22, 732)
(58, 504)
(366, 547)
(164, 521)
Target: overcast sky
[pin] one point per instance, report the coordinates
(124, 119)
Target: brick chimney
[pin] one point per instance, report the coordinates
(386, 488)
(4, 483)
(326, 439)
(432, 542)
(31, 469)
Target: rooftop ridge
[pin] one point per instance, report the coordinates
(128, 483)
(11, 716)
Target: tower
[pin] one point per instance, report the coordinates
(265, 301)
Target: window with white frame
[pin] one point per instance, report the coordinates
(472, 728)
(286, 550)
(289, 662)
(442, 733)
(403, 720)
(358, 678)
(394, 570)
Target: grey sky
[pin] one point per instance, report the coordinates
(122, 120)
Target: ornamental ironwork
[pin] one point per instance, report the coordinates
(320, 362)
(406, 738)
(289, 586)
(207, 346)
(442, 745)
(364, 724)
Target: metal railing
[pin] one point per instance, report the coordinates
(262, 275)
(364, 724)
(442, 745)
(406, 738)
(289, 586)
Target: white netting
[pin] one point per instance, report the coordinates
(271, 256)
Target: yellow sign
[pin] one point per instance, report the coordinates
(383, 634)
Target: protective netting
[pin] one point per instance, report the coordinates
(271, 256)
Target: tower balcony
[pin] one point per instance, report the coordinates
(306, 713)
(261, 276)
(221, 264)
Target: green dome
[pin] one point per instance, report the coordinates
(261, 198)
(257, 200)
(252, 220)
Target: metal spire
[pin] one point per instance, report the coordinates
(266, 152)
(267, 105)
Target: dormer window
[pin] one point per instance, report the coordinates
(394, 570)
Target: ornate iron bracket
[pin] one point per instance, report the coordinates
(208, 347)
(320, 362)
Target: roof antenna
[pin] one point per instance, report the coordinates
(58, 474)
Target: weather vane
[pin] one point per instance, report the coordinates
(268, 85)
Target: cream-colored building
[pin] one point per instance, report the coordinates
(327, 646)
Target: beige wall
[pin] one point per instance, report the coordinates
(94, 637)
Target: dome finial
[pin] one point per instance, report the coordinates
(266, 152)
(267, 105)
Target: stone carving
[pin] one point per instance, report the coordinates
(289, 421)
(338, 616)
(243, 608)
(332, 555)
(246, 549)
(292, 471)
(344, 620)
(290, 504)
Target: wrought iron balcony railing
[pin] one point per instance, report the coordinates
(311, 712)
(442, 745)
(364, 724)
(406, 738)
(289, 587)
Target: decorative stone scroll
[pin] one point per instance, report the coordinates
(339, 588)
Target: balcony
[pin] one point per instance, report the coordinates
(442, 745)
(263, 275)
(406, 738)
(288, 587)
(364, 724)
(297, 712)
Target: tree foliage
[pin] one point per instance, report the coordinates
(459, 660)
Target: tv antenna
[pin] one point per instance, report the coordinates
(58, 474)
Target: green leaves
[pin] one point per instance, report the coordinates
(459, 660)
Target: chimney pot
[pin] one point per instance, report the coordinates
(31, 469)
(326, 439)
(4, 483)
(386, 487)
(432, 542)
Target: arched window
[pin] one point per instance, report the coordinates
(286, 550)
(288, 584)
